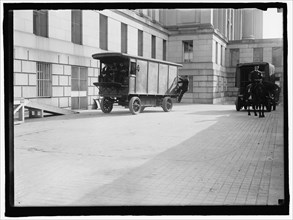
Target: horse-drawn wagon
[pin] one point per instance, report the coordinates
(243, 82)
(136, 82)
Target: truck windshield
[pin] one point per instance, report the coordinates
(116, 72)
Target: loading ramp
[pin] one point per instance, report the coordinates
(36, 110)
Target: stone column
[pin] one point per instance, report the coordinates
(258, 24)
(220, 20)
(225, 31)
(247, 24)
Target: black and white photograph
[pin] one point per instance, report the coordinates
(140, 108)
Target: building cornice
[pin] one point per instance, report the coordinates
(142, 20)
(258, 41)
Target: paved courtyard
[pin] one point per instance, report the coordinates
(194, 155)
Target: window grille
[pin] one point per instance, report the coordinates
(44, 80)
(187, 51)
(40, 23)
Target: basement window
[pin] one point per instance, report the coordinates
(44, 79)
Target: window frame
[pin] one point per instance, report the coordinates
(153, 44)
(41, 23)
(164, 49)
(103, 32)
(76, 26)
(232, 52)
(140, 43)
(82, 77)
(256, 52)
(277, 61)
(187, 44)
(124, 32)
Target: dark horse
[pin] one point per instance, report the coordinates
(257, 97)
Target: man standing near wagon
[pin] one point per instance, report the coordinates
(256, 75)
(182, 86)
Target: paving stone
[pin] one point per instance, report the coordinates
(194, 155)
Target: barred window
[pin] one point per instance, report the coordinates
(40, 23)
(44, 80)
(187, 51)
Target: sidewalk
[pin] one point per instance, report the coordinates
(216, 156)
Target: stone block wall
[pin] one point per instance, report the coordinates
(25, 79)
(58, 50)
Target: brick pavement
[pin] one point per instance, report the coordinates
(224, 158)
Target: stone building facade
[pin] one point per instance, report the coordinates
(53, 48)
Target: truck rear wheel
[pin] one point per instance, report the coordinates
(135, 105)
(167, 104)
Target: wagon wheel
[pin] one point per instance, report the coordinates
(106, 105)
(167, 104)
(135, 105)
(237, 103)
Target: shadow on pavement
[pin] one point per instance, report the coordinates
(195, 170)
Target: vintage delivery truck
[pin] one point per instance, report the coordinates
(136, 82)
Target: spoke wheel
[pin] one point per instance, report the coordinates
(167, 104)
(135, 105)
(237, 104)
(106, 105)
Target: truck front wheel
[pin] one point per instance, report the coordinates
(106, 105)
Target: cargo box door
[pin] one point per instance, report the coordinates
(163, 79)
(141, 77)
(153, 71)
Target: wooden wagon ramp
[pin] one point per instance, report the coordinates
(36, 110)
